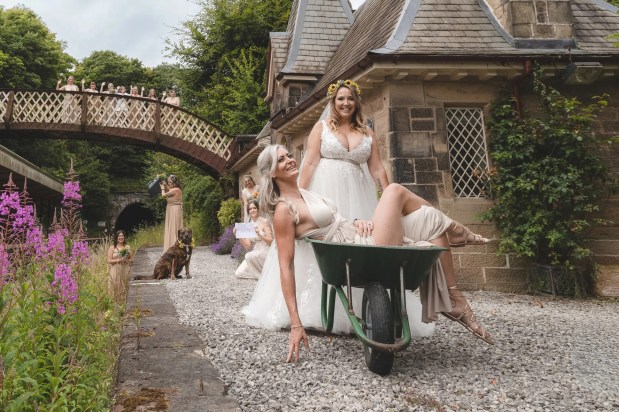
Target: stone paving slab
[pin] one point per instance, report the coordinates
(162, 365)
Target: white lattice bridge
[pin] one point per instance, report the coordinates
(117, 118)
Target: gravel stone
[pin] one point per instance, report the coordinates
(551, 354)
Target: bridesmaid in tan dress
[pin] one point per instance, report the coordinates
(119, 261)
(171, 191)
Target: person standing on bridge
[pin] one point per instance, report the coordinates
(136, 109)
(94, 102)
(171, 191)
(172, 99)
(69, 104)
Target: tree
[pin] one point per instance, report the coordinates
(224, 51)
(108, 66)
(234, 99)
(30, 55)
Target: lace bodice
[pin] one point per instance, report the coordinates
(331, 147)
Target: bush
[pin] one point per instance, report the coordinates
(229, 212)
(548, 178)
(202, 198)
(238, 252)
(224, 245)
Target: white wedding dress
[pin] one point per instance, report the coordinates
(343, 177)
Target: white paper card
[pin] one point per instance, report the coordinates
(245, 230)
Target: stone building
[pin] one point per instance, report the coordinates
(429, 70)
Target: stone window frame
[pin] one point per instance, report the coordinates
(467, 163)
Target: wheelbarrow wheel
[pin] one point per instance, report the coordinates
(378, 320)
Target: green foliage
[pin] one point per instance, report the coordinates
(548, 178)
(108, 66)
(30, 55)
(234, 99)
(148, 236)
(53, 362)
(224, 49)
(202, 195)
(230, 212)
(203, 198)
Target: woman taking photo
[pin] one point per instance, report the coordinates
(171, 191)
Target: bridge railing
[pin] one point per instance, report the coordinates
(94, 110)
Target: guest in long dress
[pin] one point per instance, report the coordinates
(251, 190)
(136, 109)
(172, 99)
(119, 261)
(251, 267)
(171, 191)
(69, 102)
(109, 105)
(94, 102)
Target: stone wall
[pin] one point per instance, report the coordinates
(539, 19)
(410, 129)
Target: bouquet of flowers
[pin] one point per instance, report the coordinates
(124, 253)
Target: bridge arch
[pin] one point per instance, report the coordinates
(141, 121)
(128, 211)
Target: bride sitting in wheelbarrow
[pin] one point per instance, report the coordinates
(298, 213)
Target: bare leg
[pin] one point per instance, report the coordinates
(461, 312)
(396, 201)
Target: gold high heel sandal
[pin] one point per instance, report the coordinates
(465, 317)
(460, 235)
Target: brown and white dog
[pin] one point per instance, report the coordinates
(176, 257)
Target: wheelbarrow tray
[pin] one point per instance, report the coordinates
(369, 263)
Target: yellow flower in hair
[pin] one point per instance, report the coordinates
(333, 87)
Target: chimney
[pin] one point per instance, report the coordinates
(534, 19)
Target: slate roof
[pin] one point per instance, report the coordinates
(316, 30)
(453, 27)
(594, 21)
(457, 28)
(279, 50)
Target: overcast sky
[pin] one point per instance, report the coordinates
(132, 28)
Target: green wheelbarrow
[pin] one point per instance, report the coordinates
(383, 328)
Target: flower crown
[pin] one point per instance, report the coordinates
(333, 87)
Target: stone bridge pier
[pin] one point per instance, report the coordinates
(128, 211)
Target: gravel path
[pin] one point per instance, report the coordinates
(551, 355)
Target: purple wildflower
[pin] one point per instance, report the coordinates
(238, 252)
(72, 196)
(8, 202)
(56, 244)
(23, 219)
(65, 287)
(79, 252)
(224, 244)
(34, 244)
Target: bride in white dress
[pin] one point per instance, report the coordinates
(339, 164)
(298, 214)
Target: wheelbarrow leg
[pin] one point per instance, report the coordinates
(351, 311)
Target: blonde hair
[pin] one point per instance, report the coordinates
(269, 192)
(358, 119)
